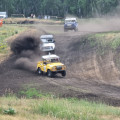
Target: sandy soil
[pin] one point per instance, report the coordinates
(89, 76)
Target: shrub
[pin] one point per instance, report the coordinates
(10, 111)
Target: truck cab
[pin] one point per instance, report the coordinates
(3, 15)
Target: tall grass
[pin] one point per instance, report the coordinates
(111, 40)
(104, 41)
(74, 109)
(51, 108)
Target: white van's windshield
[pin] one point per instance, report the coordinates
(2, 13)
(47, 40)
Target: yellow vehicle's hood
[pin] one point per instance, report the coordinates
(55, 64)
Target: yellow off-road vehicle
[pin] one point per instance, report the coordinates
(51, 65)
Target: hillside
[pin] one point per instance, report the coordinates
(92, 60)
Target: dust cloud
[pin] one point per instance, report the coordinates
(105, 24)
(101, 23)
(26, 49)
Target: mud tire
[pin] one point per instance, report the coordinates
(63, 73)
(39, 72)
(49, 73)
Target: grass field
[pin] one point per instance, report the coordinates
(50, 108)
(111, 39)
(103, 42)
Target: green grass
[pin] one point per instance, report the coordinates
(7, 31)
(32, 93)
(112, 40)
(57, 108)
(9, 111)
(74, 109)
(104, 41)
(48, 107)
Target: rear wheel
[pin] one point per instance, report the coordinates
(39, 72)
(49, 73)
(63, 73)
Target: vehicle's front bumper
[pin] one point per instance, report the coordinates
(60, 71)
(69, 27)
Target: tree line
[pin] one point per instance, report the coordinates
(80, 8)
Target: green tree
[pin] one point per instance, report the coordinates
(81, 8)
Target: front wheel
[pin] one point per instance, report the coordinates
(39, 71)
(49, 73)
(63, 73)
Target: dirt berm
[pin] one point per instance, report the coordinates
(89, 75)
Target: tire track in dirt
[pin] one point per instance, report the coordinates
(83, 80)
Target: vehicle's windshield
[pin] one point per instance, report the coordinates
(52, 60)
(55, 60)
(68, 21)
(49, 40)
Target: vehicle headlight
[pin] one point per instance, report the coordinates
(64, 67)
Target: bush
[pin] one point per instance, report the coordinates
(10, 111)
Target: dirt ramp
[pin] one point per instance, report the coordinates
(86, 63)
(93, 67)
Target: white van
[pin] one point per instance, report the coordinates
(3, 15)
(47, 43)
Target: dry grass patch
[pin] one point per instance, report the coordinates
(23, 109)
(31, 21)
(49, 108)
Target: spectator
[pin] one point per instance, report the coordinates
(31, 16)
(34, 16)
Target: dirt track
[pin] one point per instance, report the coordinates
(88, 75)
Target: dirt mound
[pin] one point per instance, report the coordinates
(88, 63)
